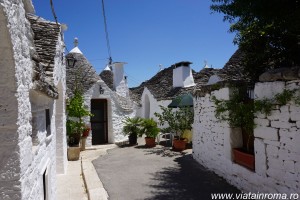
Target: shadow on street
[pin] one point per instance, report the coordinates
(140, 173)
(189, 181)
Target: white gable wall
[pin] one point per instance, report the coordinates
(24, 159)
(115, 114)
(150, 105)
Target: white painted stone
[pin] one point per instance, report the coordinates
(295, 146)
(297, 167)
(274, 143)
(298, 124)
(280, 124)
(276, 173)
(221, 94)
(266, 133)
(260, 157)
(294, 108)
(284, 108)
(260, 115)
(289, 166)
(262, 122)
(295, 116)
(292, 85)
(268, 89)
(272, 150)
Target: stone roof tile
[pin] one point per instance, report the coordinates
(82, 75)
(107, 77)
(46, 35)
(161, 85)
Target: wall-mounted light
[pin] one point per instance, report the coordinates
(101, 90)
(71, 61)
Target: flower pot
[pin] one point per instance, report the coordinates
(243, 158)
(82, 143)
(73, 153)
(150, 142)
(179, 145)
(132, 139)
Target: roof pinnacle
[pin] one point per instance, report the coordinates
(75, 42)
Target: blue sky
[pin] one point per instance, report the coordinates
(144, 33)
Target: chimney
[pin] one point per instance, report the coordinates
(182, 75)
(120, 82)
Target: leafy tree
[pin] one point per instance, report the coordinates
(76, 111)
(177, 120)
(267, 31)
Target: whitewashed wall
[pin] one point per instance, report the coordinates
(153, 105)
(277, 139)
(60, 108)
(115, 114)
(24, 159)
(276, 143)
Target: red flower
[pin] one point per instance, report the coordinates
(86, 132)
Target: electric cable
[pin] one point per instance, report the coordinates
(106, 33)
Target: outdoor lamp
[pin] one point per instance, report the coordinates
(71, 61)
(101, 90)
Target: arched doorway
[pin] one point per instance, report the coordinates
(146, 107)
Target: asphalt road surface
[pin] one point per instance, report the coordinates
(139, 173)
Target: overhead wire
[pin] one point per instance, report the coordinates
(55, 18)
(106, 32)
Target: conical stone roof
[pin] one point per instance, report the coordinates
(82, 75)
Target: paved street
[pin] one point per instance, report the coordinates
(139, 173)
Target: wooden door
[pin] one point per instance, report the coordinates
(99, 121)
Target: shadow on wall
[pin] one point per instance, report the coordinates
(189, 181)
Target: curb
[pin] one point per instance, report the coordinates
(92, 182)
(94, 186)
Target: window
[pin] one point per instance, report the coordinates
(48, 122)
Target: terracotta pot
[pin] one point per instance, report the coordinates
(243, 158)
(150, 142)
(179, 145)
(73, 153)
(82, 143)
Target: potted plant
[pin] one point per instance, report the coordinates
(178, 121)
(75, 126)
(241, 114)
(150, 129)
(132, 129)
(84, 135)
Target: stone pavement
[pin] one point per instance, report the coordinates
(70, 185)
(81, 182)
(139, 173)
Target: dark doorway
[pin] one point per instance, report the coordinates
(99, 121)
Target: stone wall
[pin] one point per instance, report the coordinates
(28, 148)
(276, 142)
(277, 138)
